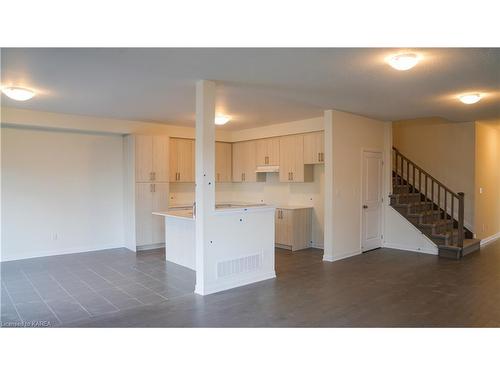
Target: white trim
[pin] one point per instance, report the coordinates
(489, 239)
(396, 246)
(230, 284)
(75, 250)
(327, 258)
(317, 245)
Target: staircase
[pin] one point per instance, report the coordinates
(429, 205)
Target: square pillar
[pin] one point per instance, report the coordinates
(328, 231)
(204, 173)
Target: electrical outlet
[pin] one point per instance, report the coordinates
(54, 236)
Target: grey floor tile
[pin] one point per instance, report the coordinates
(135, 290)
(68, 310)
(94, 303)
(119, 298)
(25, 296)
(151, 299)
(36, 313)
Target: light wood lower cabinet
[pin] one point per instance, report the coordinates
(150, 197)
(293, 228)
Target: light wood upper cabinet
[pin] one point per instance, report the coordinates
(151, 158)
(182, 160)
(160, 158)
(244, 164)
(268, 151)
(223, 162)
(314, 148)
(292, 168)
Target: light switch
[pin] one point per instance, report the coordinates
(480, 190)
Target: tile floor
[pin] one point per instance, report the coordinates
(57, 290)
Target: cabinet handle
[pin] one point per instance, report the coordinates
(150, 176)
(266, 160)
(243, 176)
(154, 176)
(150, 188)
(154, 188)
(218, 176)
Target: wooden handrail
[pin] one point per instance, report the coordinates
(399, 165)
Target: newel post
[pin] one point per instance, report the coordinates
(461, 219)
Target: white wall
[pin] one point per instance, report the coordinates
(64, 184)
(350, 135)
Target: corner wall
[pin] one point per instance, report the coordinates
(487, 179)
(350, 135)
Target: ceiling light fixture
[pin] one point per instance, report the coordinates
(18, 93)
(403, 61)
(470, 98)
(222, 119)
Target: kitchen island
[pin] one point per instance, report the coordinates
(180, 239)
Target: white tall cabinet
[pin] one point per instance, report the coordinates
(146, 189)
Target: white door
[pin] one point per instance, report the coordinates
(371, 211)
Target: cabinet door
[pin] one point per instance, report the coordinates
(314, 148)
(297, 158)
(223, 162)
(143, 209)
(160, 158)
(143, 158)
(244, 162)
(267, 151)
(159, 203)
(283, 223)
(181, 160)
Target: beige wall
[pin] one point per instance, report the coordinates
(350, 135)
(487, 178)
(445, 150)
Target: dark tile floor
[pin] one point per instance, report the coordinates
(381, 288)
(58, 290)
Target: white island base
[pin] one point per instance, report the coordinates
(240, 246)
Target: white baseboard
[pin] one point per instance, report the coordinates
(329, 258)
(396, 246)
(489, 239)
(318, 245)
(250, 279)
(39, 254)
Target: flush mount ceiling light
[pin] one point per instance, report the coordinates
(222, 119)
(470, 98)
(403, 61)
(18, 93)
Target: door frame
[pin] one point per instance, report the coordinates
(382, 189)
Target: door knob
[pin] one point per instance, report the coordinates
(365, 206)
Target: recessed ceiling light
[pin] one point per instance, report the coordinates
(18, 93)
(470, 98)
(403, 61)
(222, 119)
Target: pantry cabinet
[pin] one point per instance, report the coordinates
(293, 227)
(268, 151)
(182, 168)
(150, 197)
(314, 148)
(151, 158)
(291, 156)
(223, 162)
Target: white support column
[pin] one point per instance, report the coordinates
(205, 172)
(328, 231)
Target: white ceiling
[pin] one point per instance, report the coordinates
(255, 86)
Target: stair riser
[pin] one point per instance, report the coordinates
(401, 189)
(427, 219)
(438, 229)
(416, 209)
(408, 198)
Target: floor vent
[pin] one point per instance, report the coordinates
(235, 266)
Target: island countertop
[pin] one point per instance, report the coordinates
(186, 211)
